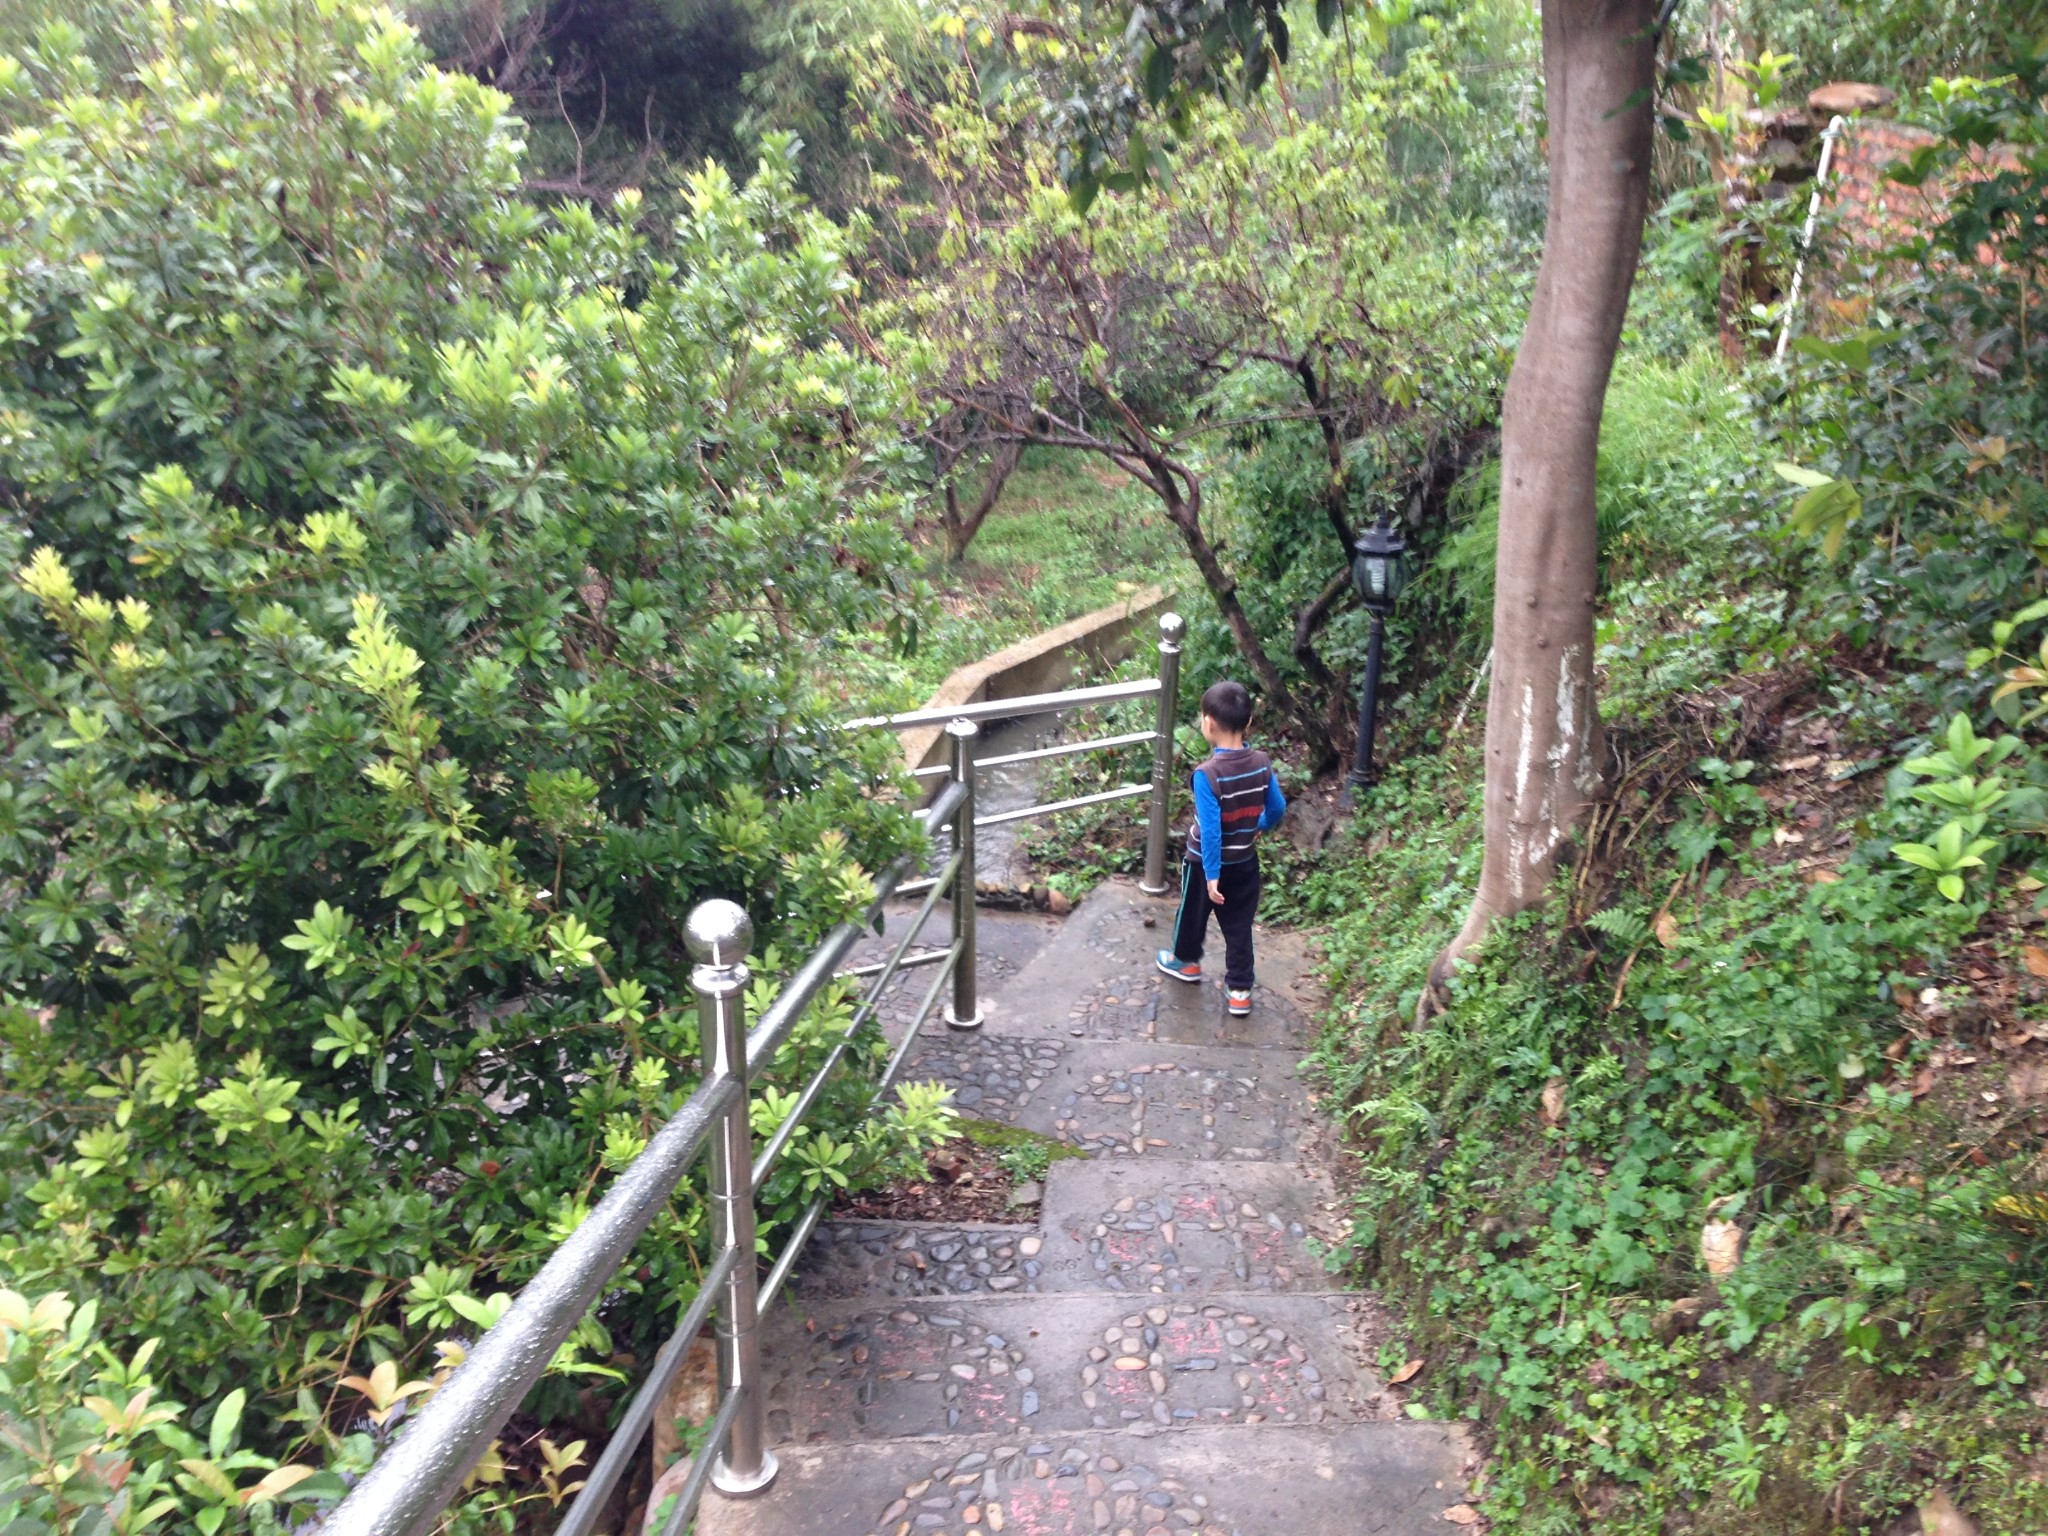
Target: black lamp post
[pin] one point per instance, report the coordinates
(1379, 569)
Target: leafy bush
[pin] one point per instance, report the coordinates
(419, 603)
(1918, 430)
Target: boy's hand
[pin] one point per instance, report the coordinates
(1216, 892)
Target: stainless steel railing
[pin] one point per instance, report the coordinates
(407, 1490)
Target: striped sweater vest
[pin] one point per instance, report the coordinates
(1239, 779)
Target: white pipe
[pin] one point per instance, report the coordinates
(1820, 182)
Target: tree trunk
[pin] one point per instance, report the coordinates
(1185, 513)
(1336, 713)
(961, 527)
(1543, 740)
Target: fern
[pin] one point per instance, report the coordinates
(1625, 925)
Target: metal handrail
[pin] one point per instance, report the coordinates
(639, 1415)
(1064, 749)
(1024, 705)
(408, 1487)
(406, 1490)
(1165, 687)
(765, 1159)
(1054, 807)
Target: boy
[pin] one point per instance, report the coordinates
(1237, 796)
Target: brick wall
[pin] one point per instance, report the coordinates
(1874, 214)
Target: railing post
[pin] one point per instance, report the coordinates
(1171, 628)
(718, 935)
(964, 1012)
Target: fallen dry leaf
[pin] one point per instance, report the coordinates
(1786, 835)
(1798, 764)
(2035, 958)
(1667, 929)
(1462, 1514)
(1553, 1101)
(1940, 1517)
(1823, 876)
(1923, 1083)
(1407, 1372)
(1721, 1247)
(2030, 1080)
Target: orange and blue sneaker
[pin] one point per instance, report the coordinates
(1239, 1001)
(1179, 969)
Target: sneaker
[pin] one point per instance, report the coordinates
(1179, 969)
(1239, 1001)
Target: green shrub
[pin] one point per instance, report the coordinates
(418, 604)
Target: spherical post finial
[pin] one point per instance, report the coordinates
(962, 728)
(1172, 628)
(718, 933)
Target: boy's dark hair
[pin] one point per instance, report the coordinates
(1229, 705)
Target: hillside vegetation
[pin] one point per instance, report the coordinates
(441, 523)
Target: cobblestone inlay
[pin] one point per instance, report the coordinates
(1117, 1009)
(848, 1259)
(1200, 1236)
(993, 1077)
(1146, 1008)
(1149, 1107)
(903, 1372)
(907, 989)
(1182, 1363)
(1037, 1490)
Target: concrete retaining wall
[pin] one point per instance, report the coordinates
(1042, 664)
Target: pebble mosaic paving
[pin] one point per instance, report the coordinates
(1158, 1353)
(843, 1372)
(1117, 1100)
(1037, 1490)
(866, 1259)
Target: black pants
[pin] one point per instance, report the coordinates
(1240, 884)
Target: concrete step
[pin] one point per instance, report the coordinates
(1123, 1226)
(857, 1370)
(1367, 1479)
(1154, 1227)
(1128, 1098)
(1095, 979)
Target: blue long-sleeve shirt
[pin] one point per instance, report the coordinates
(1209, 817)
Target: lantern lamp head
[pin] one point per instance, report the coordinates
(1379, 566)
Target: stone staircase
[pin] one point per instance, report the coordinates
(1159, 1352)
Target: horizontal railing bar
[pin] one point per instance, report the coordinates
(902, 1054)
(764, 1161)
(915, 887)
(1064, 749)
(692, 1492)
(406, 1489)
(808, 1223)
(588, 1505)
(922, 957)
(1025, 704)
(802, 989)
(886, 972)
(797, 994)
(943, 805)
(1107, 795)
(793, 1249)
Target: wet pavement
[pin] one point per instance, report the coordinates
(1160, 1350)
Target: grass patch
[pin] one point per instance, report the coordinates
(1014, 1138)
(1025, 1155)
(1068, 537)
